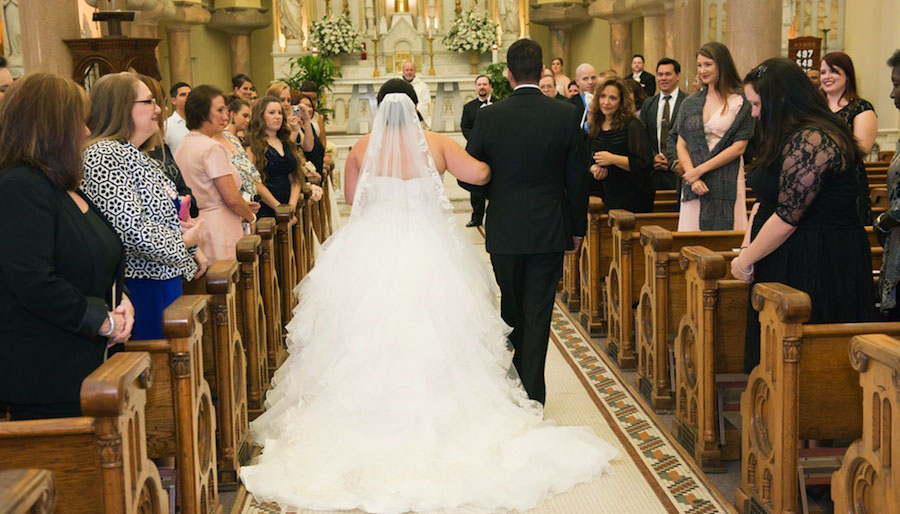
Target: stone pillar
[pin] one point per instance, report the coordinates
(687, 38)
(559, 45)
(620, 46)
(654, 39)
(670, 33)
(44, 25)
(239, 23)
(753, 32)
(559, 18)
(178, 31)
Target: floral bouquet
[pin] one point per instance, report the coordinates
(334, 36)
(471, 31)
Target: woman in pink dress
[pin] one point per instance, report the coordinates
(714, 127)
(208, 171)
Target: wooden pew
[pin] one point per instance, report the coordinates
(252, 322)
(286, 260)
(27, 491)
(226, 371)
(308, 206)
(709, 341)
(803, 388)
(621, 288)
(180, 417)
(869, 478)
(276, 352)
(662, 302)
(99, 460)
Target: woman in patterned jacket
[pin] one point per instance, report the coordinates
(132, 191)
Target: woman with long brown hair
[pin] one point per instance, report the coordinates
(278, 159)
(621, 155)
(131, 190)
(62, 259)
(713, 129)
(297, 122)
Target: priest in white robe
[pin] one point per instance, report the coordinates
(422, 91)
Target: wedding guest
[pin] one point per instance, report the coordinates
(839, 88)
(621, 156)
(157, 148)
(316, 156)
(301, 132)
(238, 117)
(548, 87)
(887, 223)
(804, 232)
(238, 123)
(483, 98)
(130, 189)
(713, 130)
(208, 171)
(254, 96)
(560, 78)
(277, 158)
(586, 78)
(658, 113)
(311, 91)
(6, 78)
(62, 260)
(242, 86)
(815, 77)
(176, 128)
(645, 79)
(638, 95)
(572, 89)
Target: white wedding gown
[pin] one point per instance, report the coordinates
(397, 394)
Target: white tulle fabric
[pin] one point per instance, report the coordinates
(397, 393)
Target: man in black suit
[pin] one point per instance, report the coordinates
(647, 80)
(538, 203)
(658, 114)
(548, 87)
(470, 111)
(586, 78)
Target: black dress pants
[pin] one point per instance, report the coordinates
(528, 290)
(477, 200)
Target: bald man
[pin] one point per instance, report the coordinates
(422, 91)
(586, 78)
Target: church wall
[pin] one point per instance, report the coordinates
(589, 42)
(261, 63)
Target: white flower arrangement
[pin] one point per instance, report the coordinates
(331, 148)
(334, 36)
(310, 167)
(471, 31)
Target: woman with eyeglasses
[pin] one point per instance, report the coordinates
(132, 191)
(804, 229)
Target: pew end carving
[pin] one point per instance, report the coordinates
(276, 353)
(286, 259)
(27, 491)
(252, 321)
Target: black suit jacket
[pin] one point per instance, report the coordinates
(579, 105)
(648, 82)
(53, 296)
(539, 185)
(650, 111)
(470, 111)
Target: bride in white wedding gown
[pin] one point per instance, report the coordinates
(397, 394)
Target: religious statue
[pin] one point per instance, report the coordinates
(12, 34)
(291, 19)
(509, 17)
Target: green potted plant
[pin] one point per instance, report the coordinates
(318, 70)
(496, 73)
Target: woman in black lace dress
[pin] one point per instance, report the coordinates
(621, 156)
(838, 78)
(804, 229)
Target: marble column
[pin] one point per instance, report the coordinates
(239, 23)
(559, 18)
(670, 33)
(654, 39)
(687, 38)
(753, 32)
(620, 46)
(44, 25)
(178, 33)
(559, 45)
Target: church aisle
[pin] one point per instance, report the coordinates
(651, 477)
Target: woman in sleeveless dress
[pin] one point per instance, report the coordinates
(805, 232)
(714, 127)
(398, 393)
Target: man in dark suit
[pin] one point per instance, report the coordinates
(538, 203)
(586, 78)
(470, 111)
(658, 114)
(647, 80)
(548, 87)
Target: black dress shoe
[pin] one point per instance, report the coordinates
(473, 223)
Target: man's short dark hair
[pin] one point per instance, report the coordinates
(239, 79)
(198, 104)
(557, 59)
(482, 75)
(894, 60)
(309, 86)
(667, 60)
(173, 91)
(573, 83)
(637, 55)
(3, 62)
(524, 59)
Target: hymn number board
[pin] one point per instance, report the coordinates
(806, 52)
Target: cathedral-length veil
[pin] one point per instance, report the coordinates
(396, 395)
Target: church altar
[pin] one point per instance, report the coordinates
(392, 32)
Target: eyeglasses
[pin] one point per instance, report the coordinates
(151, 101)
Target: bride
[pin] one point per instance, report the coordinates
(399, 394)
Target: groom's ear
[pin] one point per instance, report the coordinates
(509, 76)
